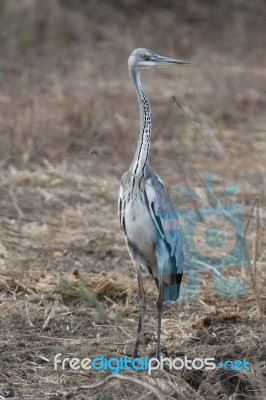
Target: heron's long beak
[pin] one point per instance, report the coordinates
(163, 61)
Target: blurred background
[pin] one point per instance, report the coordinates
(69, 123)
(64, 78)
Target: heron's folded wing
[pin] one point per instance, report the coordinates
(168, 235)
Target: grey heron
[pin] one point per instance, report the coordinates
(147, 216)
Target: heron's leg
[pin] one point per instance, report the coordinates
(159, 316)
(142, 308)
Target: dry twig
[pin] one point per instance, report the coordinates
(51, 314)
(253, 270)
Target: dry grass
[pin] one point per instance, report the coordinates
(68, 121)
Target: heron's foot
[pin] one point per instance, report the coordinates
(135, 354)
(158, 355)
(155, 362)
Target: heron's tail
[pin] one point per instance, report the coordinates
(171, 287)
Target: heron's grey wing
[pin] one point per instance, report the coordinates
(168, 236)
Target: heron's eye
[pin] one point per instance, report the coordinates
(144, 56)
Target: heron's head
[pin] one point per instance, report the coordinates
(145, 58)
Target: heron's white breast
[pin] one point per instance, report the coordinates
(140, 228)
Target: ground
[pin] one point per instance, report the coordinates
(69, 126)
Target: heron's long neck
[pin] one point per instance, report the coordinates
(140, 160)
